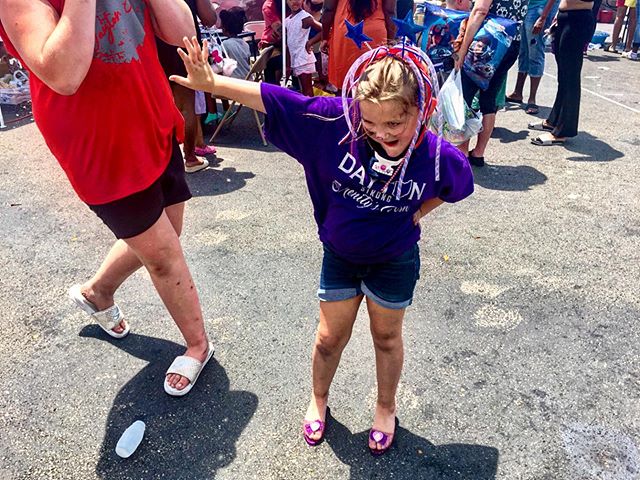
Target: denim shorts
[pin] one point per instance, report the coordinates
(531, 58)
(389, 284)
(636, 37)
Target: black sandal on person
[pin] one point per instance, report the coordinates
(476, 161)
(532, 109)
(540, 126)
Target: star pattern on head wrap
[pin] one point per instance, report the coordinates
(355, 33)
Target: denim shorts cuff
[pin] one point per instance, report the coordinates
(337, 294)
(385, 303)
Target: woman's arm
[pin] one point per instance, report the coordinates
(389, 10)
(58, 49)
(542, 19)
(426, 207)
(172, 20)
(328, 15)
(478, 14)
(206, 12)
(201, 77)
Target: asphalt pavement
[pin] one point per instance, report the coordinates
(522, 345)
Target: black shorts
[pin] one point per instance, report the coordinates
(488, 98)
(132, 215)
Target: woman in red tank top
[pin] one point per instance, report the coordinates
(104, 108)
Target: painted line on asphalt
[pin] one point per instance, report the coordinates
(600, 96)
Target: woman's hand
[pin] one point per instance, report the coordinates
(539, 25)
(200, 76)
(459, 59)
(324, 46)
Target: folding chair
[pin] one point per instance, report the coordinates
(257, 28)
(256, 74)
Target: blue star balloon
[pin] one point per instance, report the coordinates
(354, 32)
(407, 27)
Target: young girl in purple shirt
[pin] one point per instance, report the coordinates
(372, 170)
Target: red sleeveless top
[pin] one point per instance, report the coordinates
(113, 136)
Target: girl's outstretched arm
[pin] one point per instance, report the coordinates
(200, 76)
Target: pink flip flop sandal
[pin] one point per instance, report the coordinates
(382, 438)
(311, 427)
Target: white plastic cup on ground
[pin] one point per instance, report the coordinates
(130, 439)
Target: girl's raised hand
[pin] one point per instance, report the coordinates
(200, 76)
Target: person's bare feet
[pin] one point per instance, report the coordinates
(384, 421)
(317, 411)
(101, 301)
(198, 352)
(514, 98)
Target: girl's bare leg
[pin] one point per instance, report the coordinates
(334, 332)
(386, 330)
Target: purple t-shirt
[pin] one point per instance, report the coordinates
(355, 219)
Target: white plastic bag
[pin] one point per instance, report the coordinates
(472, 126)
(451, 101)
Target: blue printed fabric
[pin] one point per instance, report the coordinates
(442, 26)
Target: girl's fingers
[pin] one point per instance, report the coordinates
(187, 45)
(205, 50)
(185, 58)
(194, 53)
(193, 56)
(179, 80)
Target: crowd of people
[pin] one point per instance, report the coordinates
(372, 165)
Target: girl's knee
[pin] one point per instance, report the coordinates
(328, 344)
(387, 340)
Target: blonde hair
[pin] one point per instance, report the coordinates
(388, 79)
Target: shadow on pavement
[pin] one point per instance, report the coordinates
(411, 457)
(186, 438)
(606, 57)
(211, 182)
(592, 149)
(508, 178)
(507, 136)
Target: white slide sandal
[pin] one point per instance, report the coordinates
(107, 319)
(189, 368)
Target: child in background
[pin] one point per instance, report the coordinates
(202, 149)
(622, 7)
(314, 8)
(303, 63)
(232, 22)
(373, 171)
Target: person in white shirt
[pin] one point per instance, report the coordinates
(303, 62)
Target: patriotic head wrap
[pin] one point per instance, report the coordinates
(428, 90)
